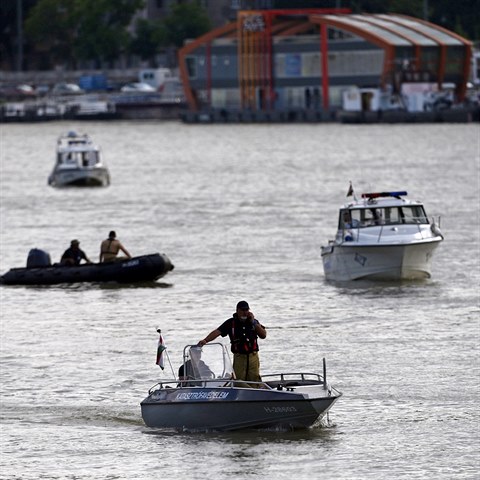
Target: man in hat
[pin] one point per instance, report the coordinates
(244, 331)
(110, 247)
(73, 255)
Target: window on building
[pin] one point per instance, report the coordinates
(191, 63)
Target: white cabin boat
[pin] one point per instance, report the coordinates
(79, 163)
(383, 236)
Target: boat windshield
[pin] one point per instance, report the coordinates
(84, 159)
(205, 363)
(367, 217)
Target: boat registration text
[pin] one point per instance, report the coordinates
(280, 409)
(201, 395)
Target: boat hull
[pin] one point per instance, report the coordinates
(79, 177)
(137, 269)
(349, 261)
(234, 408)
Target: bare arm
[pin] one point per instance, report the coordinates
(86, 258)
(100, 259)
(124, 250)
(211, 336)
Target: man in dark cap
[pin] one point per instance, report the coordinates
(73, 255)
(110, 247)
(244, 331)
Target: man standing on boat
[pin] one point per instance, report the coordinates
(244, 331)
(110, 247)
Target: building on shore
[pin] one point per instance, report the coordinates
(273, 61)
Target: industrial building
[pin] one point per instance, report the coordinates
(310, 60)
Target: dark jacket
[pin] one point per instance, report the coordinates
(75, 254)
(243, 337)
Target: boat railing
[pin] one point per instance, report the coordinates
(274, 381)
(290, 380)
(436, 221)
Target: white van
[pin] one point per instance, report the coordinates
(154, 77)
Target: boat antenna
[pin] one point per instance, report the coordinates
(159, 331)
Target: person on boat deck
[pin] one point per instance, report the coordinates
(347, 219)
(195, 368)
(73, 255)
(110, 247)
(244, 331)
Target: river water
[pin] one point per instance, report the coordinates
(242, 211)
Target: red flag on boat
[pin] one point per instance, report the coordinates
(160, 349)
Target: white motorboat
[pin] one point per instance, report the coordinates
(209, 398)
(382, 236)
(79, 163)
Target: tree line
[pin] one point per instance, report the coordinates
(100, 32)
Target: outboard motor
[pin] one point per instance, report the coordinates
(38, 258)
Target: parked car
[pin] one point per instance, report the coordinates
(66, 89)
(137, 87)
(42, 89)
(26, 90)
(19, 92)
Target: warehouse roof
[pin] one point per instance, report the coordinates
(392, 30)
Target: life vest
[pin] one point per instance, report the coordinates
(243, 336)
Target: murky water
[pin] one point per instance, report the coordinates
(241, 210)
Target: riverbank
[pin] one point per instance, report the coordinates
(41, 111)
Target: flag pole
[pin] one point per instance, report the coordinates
(159, 331)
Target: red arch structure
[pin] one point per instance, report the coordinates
(255, 32)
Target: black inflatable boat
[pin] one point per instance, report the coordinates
(39, 271)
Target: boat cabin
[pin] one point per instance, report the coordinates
(78, 158)
(77, 151)
(385, 208)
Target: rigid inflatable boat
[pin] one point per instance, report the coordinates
(40, 271)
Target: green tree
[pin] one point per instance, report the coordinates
(73, 30)
(50, 26)
(9, 31)
(102, 33)
(187, 20)
(149, 39)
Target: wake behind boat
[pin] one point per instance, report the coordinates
(79, 163)
(40, 271)
(383, 236)
(209, 398)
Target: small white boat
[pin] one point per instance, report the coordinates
(209, 398)
(383, 236)
(79, 163)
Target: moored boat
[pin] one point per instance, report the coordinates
(382, 236)
(211, 398)
(137, 269)
(79, 163)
